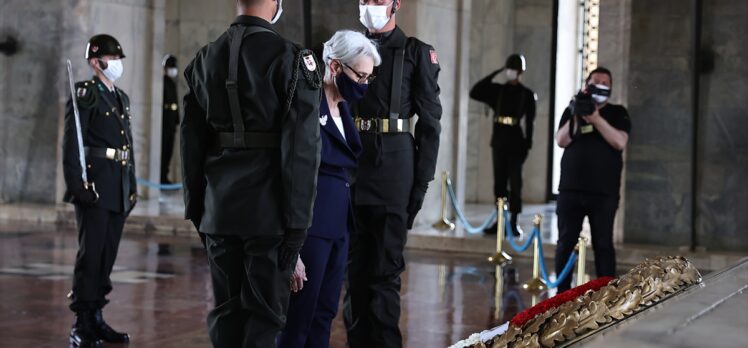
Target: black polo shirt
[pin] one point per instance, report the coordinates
(589, 163)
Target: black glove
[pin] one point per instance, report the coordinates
(85, 196)
(293, 240)
(133, 202)
(416, 202)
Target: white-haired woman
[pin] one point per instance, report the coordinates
(349, 59)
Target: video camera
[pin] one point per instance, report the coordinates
(583, 104)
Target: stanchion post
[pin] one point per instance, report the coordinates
(500, 257)
(581, 260)
(536, 284)
(444, 223)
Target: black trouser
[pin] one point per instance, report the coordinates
(507, 166)
(167, 150)
(99, 233)
(572, 207)
(250, 291)
(376, 261)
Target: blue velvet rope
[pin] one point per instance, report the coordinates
(521, 248)
(165, 187)
(461, 216)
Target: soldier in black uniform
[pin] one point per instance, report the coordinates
(510, 102)
(170, 118)
(393, 175)
(101, 208)
(250, 155)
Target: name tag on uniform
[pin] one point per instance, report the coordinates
(587, 129)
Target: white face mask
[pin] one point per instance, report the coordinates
(172, 72)
(278, 12)
(373, 17)
(511, 74)
(599, 99)
(113, 70)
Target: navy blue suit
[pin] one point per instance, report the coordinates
(325, 251)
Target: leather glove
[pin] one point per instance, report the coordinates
(293, 240)
(85, 196)
(417, 196)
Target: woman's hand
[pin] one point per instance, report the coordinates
(299, 276)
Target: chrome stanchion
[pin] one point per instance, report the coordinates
(581, 261)
(444, 223)
(500, 257)
(536, 284)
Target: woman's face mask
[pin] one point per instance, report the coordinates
(374, 17)
(172, 72)
(511, 74)
(350, 90)
(114, 69)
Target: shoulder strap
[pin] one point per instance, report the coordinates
(397, 84)
(231, 83)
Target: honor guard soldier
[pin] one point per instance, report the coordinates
(510, 101)
(250, 155)
(98, 138)
(393, 175)
(170, 118)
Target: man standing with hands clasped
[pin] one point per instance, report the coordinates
(393, 175)
(250, 155)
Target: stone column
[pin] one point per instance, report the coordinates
(613, 53)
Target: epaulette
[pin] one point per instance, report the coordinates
(86, 94)
(309, 67)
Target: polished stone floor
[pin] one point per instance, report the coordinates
(162, 300)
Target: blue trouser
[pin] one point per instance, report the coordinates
(312, 310)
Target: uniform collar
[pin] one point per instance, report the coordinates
(393, 39)
(253, 21)
(106, 88)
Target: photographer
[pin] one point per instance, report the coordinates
(594, 139)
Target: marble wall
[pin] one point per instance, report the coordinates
(33, 109)
(30, 99)
(659, 194)
(723, 146)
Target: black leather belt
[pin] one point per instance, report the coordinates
(382, 125)
(108, 153)
(252, 140)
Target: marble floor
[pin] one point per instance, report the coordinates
(162, 300)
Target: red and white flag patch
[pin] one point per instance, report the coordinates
(310, 63)
(434, 58)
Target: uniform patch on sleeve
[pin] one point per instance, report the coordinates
(309, 62)
(81, 92)
(434, 58)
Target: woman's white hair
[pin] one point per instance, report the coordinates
(347, 46)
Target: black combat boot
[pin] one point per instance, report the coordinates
(106, 333)
(516, 231)
(83, 333)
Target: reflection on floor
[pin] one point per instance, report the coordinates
(162, 300)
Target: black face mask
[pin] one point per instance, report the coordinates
(350, 90)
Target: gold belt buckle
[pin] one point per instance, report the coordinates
(506, 120)
(111, 153)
